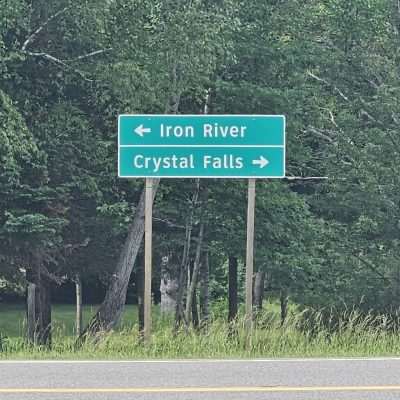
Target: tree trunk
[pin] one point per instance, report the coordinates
(284, 303)
(179, 314)
(168, 286)
(38, 308)
(140, 297)
(195, 275)
(183, 270)
(78, 293)
(195, 311)
(109, 313)
(204, 289)
(45, 313)
(259, 281)
(31, 312)
(232, 287)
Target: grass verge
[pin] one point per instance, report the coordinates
(303, 335)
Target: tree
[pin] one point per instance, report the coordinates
(50, 195)
(175, 31)
(29, 231)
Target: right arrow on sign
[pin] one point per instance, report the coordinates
(261, 162)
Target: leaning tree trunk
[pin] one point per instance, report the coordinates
(204, 290)
(259, 281)
(110, 311)
(38, 308)
(232, 288)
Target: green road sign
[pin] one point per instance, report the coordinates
(213, 146)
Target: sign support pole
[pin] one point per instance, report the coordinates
(251, 197)
(148, 231)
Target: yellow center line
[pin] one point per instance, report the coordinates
(232, 389)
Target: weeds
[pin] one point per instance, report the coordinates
(307, 333)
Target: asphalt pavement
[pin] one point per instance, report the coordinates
(289, 379)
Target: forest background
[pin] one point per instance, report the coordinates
(327, 236)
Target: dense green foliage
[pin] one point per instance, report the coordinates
(68, 68)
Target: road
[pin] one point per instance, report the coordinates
(290, 379)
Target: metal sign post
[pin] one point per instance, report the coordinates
(251, 198)
(148, 228)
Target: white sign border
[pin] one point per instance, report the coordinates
(201, 176)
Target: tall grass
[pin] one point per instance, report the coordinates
(307, 333)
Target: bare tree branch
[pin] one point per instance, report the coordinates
(46, 56)
(371, 118)
(333, 119)
(31, 38)
(93, 53)
(168, 223)
(309, 73)
(57, 61)
(372, 267)
(319, 133)
(59, 280)
(398, 13)
(372, 83)
(34, 35)
(70, 248)
(365, 113)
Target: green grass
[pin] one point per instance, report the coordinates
(13, 321)
(355, 335)
(13, 317)
(13, 325)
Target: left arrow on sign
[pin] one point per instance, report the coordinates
(261, 162)
(141, 130)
